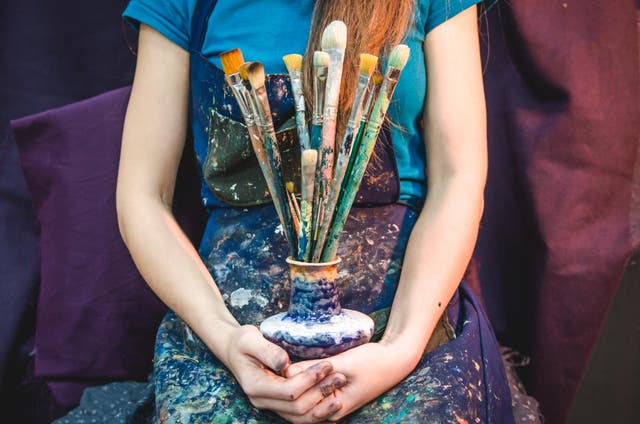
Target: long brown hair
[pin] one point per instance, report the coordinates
(373, 27)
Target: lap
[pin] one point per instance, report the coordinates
(457, 382)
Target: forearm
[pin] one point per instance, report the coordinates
(171, 266)
(436, 257)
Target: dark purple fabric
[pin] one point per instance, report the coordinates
(562, 92)
(51, 54)
(96, 318)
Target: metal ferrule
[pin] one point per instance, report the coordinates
(296, 86)
(356, 108)
(387, 89)
(241, 94)
(319, 85)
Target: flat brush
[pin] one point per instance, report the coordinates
(397, 61)
(320, 67)
(372, 93)
(293, 62)
(232, 62)
(293, 207)
(271, 167)
(309, 160)
(334, 41)
(367, 66)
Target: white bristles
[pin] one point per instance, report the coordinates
(399, 57)
(320, 59)
(334, 36)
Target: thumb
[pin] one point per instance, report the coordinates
(269, 354)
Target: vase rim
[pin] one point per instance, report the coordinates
(292, 261)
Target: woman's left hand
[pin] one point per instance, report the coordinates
(371, 369)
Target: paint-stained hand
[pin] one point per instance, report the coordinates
(305, 397)
(371, 369)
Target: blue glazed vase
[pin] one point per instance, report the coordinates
(315, 326)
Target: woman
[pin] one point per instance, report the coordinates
(247, 378)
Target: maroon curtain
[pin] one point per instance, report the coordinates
(562, 93)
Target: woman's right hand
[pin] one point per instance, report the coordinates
(258, 365)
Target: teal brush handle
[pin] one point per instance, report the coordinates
(316, 136)
(359, 166)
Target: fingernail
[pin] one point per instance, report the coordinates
(321, 368)
(335, 406)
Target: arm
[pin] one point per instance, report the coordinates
(443, 237)
(153, 140)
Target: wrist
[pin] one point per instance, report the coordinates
(218, 335)
(404, 351)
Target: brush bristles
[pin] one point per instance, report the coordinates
(293, 62)
(320, 59)
(243, 70)
(289, 186)
(309, 157)
(334, 36)
(231, 61)
(368, 63)
(399, 56)
(255, 74)
(377, 78)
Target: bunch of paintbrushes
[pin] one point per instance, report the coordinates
(328, 183)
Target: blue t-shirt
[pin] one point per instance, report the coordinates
(267, 30)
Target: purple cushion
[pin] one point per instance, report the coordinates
(96, 317)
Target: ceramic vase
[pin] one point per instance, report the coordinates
(315, 326)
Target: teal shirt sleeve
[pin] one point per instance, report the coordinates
(171, 18)
(443, 10)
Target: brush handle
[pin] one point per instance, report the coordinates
(344, 154)
(316, 136)
(271, 167)
(324, 173)
(308, 168)
(361, 160)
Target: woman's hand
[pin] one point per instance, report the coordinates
(371, 369)
(302, 398)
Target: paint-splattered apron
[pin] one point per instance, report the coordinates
(461, 379)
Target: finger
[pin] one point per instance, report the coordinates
(299, 367)
(271, 355)
(292, 388)
(305, 402)
(332, 383)
(326, 409)
(321, 413)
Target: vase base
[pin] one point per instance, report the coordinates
(312, 339)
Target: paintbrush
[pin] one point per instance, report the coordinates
(367, 66)
(232, 62)
(270, 167)
(294, 200)
(320, 65)
(293, 62)
(372, 93)
(334, 41)
(293, 207)
(309, 159)
(397, 61)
